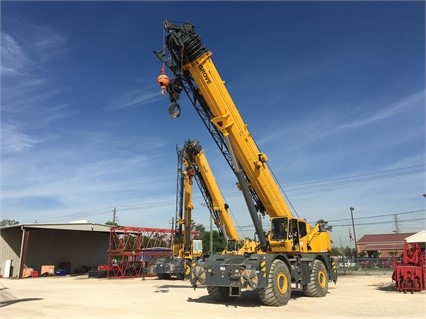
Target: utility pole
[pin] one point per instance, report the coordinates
(114, 211)
(353, 228)
(395, 217)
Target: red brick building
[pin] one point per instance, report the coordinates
(382, 245)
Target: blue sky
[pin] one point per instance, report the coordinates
(333, 92)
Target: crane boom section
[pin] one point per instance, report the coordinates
(189, 174)
(195, 158)
(219, 204)
(226, 117)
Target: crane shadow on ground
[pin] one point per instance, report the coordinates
(248, 299)
(177, 284)
(385, 286)
(11, 302)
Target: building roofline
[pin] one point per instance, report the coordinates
(62, 226)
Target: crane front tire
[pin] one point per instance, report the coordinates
(278, 290)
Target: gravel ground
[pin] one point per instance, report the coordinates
(354, 296)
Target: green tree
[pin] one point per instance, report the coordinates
(348, 251)
(111, 223)
(335, 251)
(8, 222)
(219, 243)
(362, 254)
(198, 227)
(375, 254)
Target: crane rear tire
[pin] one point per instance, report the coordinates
(318, 283)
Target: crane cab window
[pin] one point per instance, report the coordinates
(279, 228)
(302, 229)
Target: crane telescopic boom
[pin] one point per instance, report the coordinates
(292, 252)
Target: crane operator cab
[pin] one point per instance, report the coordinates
(287, 234)
(279, 228)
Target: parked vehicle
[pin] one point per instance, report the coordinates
(346, 264)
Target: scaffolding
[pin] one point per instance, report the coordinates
(132, 250)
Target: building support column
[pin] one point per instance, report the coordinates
(23, 252)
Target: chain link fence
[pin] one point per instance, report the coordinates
(365, 266)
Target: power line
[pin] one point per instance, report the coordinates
(358, 178)
(377, 216)
(368, 217)
(351, 179)
(385, 222)
(299, 187)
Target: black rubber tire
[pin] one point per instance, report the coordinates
(185, 265)
(220, 293)
(278, 291)
(187, 268)
(164, 276)
(318, 281)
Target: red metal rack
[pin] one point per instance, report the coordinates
(132, 249)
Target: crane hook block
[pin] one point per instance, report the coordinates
(163, 81)
(174, 110)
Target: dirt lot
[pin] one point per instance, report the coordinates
(354, 296)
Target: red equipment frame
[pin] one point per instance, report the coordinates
(410, 273)
(131, 250)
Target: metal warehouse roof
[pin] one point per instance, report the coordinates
(65, 226)
(419, 237)
(380, 238)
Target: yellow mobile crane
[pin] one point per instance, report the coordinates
(196, 159)
(193, 165)
(293, 253)
(185, 248)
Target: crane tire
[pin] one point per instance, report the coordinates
(318, 283)
(187, 268)
(220, 293)
(164, 276)
(278, 290)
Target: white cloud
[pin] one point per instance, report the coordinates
(30, 100)
(327, 125)
(136, 98)
(383, 113)
(36, 45)
(14, 141)
(13, 59)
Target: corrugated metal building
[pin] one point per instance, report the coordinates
(77, 245)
